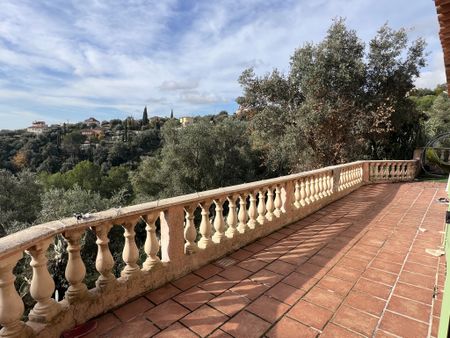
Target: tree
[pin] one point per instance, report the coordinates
(439, 117)
(337, 103)
(145, 117)
(20, 200)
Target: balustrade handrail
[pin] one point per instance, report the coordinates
(254, 210)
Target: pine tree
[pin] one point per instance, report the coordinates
(145, 117)
(171, 113)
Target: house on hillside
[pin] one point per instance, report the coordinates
(92, 122)
(186, 121)
(37, 127)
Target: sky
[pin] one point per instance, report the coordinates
(67, 60)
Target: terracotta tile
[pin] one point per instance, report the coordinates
(187, 281)
(245, 325)
(300, 281)
(373, 288)
(208, 271)
(166, 313)
(365, 302)
(106, 322)
(347, 274)
(234, 273)
(277, 235)
(352, 263)
(416, 279)
(204, 320)
(420, 268)
(254, 247)
(266, 277)
(403, 326)
(294, 259)
(285, 293)
(409, 308)
(384, 334)
(334, 331)
(241, 254)
(325, 298)
(176, 330)
(132, 309)
(249, 289)
(423, 259)
(310, 314)
(435, 327)
(386, 266)
(220, 334)
(216, 285)
(414, 293)
(319, 260)
(193, 298)
(280, 267)
(312, 270)
(380, 276)
(289, 328)
(252, 264)
(266, 256)
(337, 285)
(267, 241)
(355, 320)
(229, 303)
(136, 328)
(162, 294)
(267, 308)
(329, 252)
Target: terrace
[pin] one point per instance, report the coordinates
(339, 251)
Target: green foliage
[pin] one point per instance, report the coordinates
(338, 102)
(439, 117)
(196, 158)
(20, 201)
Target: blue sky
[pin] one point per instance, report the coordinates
(63, 60)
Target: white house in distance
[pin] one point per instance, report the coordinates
(37, 127)
(91, 122)
(186, 121)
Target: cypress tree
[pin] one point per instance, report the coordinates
(145, 117)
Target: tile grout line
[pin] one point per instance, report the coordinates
(406, 257)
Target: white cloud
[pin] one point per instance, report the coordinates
(77, 57)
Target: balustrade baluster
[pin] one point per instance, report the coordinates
(219, 222)
(42, 284)
(316, 187)
(231, 217)
(252, 212)
(151, 246)
(75, 269)
(321, 192)
(307, 191)
(104, 261)
(130, 253)
(277, 201)
(297, 195)
(205, 226)
(270, 205)
(190, 233)
(302, 193)
(312, 189)
(11, 308)
(242, 215)
(261, 207)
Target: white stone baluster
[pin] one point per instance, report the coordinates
(130, 253)
(302, 193)
(277, 202)
(312, 189)
(151, 246)
(190, 233)
(307, 191)
(252, 212)
(11, 304)
(269, 205)
(104, 262)
(261, 207)
(321, 194)
(205, 226)
(242, 215)
(75, 269)
(297, 195)
(42, 284)
(219, 222)
(232, 217)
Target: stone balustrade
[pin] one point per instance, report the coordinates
(227, 219)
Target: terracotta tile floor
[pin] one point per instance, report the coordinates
(356, 268)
